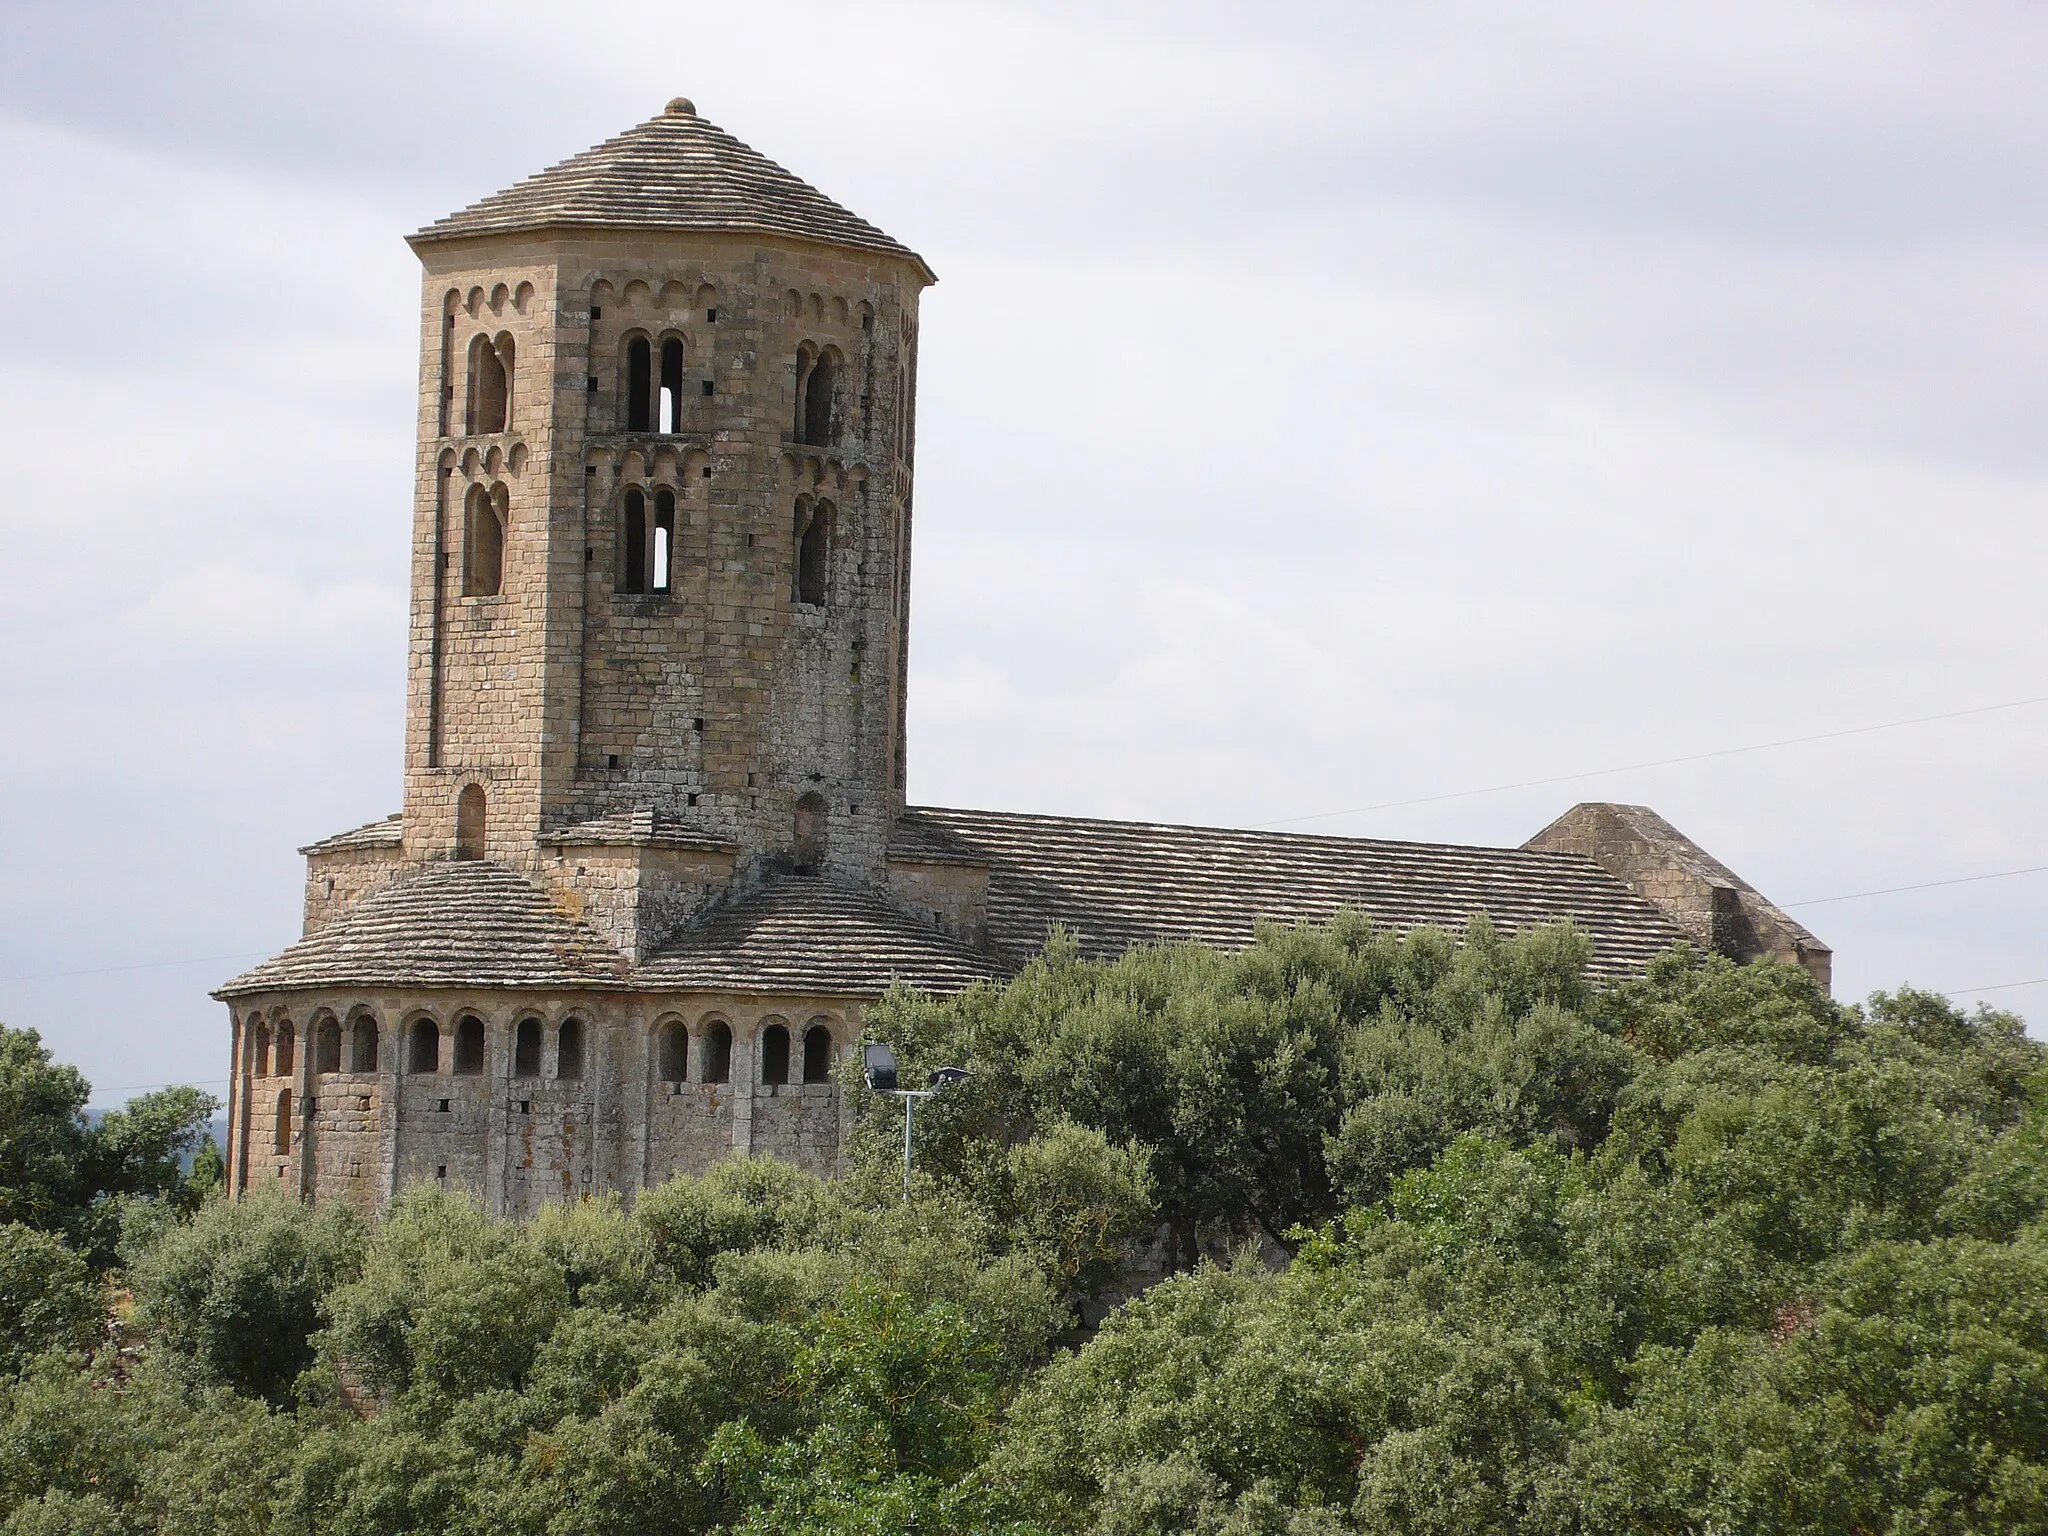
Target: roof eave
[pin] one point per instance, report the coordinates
(420, 239)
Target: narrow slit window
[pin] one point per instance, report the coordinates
(282, 1132)
(634, 537)
(639, 383)
(471, 822)
(718, 1053)
(662, 554)
(327, 1048)
(526, 1049)
(483, 565)
(813, 548)
(671, 385)
(282, 1063)
(363, 1046)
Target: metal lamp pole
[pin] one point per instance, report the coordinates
(878, 1066)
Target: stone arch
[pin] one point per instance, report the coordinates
(362, 1045)
(469, 1045)
(522, 296)
(672, 1051)
(774, 1052)
(472, 812)
(818, 1052)
(569, 1045)
(707, 300)
(717, 1050)
(526, 1042)
(423, 1046)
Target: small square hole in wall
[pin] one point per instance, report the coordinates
(441, 1172)
(589, 555)
(363, 1103)
(441, 1107)
(711, 317)
(707, 472)
(589, 471)
(611, 760)
(750, 541)
(693, 799)
(707, 386)
(526, 1106)
(750, 781)
(597, 311)
(590, 385)
(697, 724)
(280, 1170)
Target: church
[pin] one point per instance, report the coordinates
(654, 857)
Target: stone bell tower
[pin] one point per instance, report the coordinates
(662, 536)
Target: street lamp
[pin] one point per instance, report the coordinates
(878, 1066)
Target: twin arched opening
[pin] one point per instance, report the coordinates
(647, 544)
(486, 515)
(817, 383)
(651, 407)
(490, 383)
(810, 567)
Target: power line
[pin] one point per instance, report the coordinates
(1925, 885)
(2002, 986)
(145, 965)
(1662, 762)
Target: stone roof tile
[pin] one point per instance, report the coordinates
(810, 935)
(388, 833)
(463, 922)
(1119, 883)
(675, 171)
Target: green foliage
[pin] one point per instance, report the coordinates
(1704, 1251)
(239, 1290)
(58, 1174)
(42, 1132)
(49, 1297)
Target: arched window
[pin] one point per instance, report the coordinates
(775, 1054)
(810, 831)
(633, 542)
(814, 422)
(471, 813)
(256, 1051)
(425, 1055)
(718, 1053)
(469, 1045)
(483, 542)
(671, 386)
(362, 1052)
(661, 554)
(639, 368)
(490, 383)
(281, 1063)
(526, 1049)
(672, 1052)
(813, 547)
(818, 1054)
(281, 1134)
(327, 1048)
(569, 1050)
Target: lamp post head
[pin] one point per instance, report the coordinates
(944, 1077)
(878, 1066)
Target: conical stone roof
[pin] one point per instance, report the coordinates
(675, 171)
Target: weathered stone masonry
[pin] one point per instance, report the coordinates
(654, 855)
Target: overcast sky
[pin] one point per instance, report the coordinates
(1324, 406)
